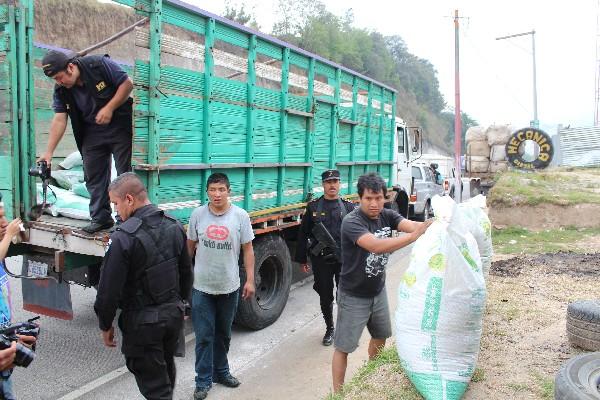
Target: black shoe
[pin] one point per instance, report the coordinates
(200, 393)
(328, 338)
(228, 380)
(94, 227)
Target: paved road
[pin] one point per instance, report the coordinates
(284, 360)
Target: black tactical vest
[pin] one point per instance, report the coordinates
(99, 87)
(156, 269)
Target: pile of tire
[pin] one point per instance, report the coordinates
(579, 378)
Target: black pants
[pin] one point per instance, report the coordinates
(150, 338)
(326, 275)
(96, 150)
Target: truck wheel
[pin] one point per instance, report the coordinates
(579, 378)
(272, 277)
(583, 324)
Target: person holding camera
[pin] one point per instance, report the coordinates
(323, 244)
(7, 356)
(146, 273)
(93, 91)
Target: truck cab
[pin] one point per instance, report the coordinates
(424, 188)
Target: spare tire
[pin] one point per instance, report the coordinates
(579, 378)
(583, 324)
(272, 277)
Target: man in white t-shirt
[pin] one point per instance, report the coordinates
(216, 233)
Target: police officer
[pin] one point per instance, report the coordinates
(146, 273)
(329, 210)
(93, 91)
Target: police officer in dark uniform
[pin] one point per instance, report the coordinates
(323, 245)
(147, 274)
(93, 91)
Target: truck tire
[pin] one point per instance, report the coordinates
(273, 278)
(579, 378)
(583, 324)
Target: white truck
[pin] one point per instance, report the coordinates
(471, 186)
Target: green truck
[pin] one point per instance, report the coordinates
(210, 95)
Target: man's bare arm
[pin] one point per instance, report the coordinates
(369, 242)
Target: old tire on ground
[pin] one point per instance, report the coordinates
(583, 324)
(273, 278)
(578, 378)
(545, 147)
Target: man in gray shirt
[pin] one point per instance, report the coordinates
(216, 233)
(366, 244)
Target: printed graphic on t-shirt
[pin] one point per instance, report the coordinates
(376, 262)
(217, 238)
(5, 306)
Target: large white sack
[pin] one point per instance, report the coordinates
(479, 148)
(475, 133)
(498, 134)
(440, 307)
(480, 226)
(72, 160)
(498, 152)
(477, 164)
(498, 166)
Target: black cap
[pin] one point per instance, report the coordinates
(330, 174)
(55, 61)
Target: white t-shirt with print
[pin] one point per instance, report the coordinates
(219, 238)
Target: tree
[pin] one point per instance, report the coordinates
(240, 15)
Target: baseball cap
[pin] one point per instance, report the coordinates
(55, 61)
(330, 174)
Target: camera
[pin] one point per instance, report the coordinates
(24, 355)
(40, 169)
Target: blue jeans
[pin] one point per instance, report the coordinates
(212, 317)
(6, 389)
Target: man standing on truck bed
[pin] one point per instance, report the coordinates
(366, 245)
(93, 91)
(216, 233)
(146, 273)
(319, 234)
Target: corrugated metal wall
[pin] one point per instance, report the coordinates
(580, 146)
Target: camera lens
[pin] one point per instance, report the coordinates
(24, 356)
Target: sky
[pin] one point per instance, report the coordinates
(496, 76)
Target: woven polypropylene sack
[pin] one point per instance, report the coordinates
(441, 300)
(475, 133)
(498, 153)
(478, 148)
(498, 134)
(498, 166)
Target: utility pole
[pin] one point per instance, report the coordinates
(535, 123)
(457, 117)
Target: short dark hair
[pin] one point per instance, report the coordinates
(373, 182)
(128, 183)
(217, 177)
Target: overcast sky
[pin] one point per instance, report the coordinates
(496, 76)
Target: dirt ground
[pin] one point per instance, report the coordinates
(546, 216)
(524, 340)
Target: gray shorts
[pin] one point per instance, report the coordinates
(354, 313)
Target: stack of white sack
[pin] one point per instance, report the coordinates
(440, 305)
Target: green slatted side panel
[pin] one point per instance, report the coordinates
(181, 122)
(6, 117)
(295, 139)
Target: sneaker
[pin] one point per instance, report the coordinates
(328, 338)
(228, 380)
(200, 393)
(94, 227)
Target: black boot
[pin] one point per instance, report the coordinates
(328, 317)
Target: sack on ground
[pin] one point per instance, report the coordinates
(440, 307)
(480, 226)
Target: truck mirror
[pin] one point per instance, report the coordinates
(415, 138)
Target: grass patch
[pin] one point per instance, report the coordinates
(518, 387)
(387, 364)
(516, 240)
(478, 375)
(545, 386)
(560, 186)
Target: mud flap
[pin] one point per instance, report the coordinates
(45, 296)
